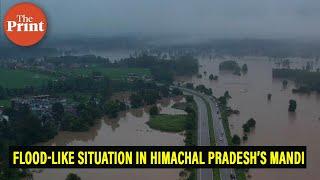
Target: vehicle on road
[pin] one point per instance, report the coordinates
(220, 139)
(232, 176)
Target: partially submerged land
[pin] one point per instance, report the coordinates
(306, 81)
(73, 98)
(83, 88)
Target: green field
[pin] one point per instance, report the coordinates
(112, 73)
(20, 78)
(5, 102)
(168, 123)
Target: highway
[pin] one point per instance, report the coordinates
(203, 135)
(203, 131)
(219, 133)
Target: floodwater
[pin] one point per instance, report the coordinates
(130, 129)
(275, 125)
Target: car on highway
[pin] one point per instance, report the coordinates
(220, 139)
(232, 176)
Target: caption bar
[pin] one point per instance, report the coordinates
(157, 157)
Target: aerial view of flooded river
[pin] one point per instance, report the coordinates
(130, 129)
(275, 125)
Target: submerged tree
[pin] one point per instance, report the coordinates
(236, 140)
(211, 77)
(227, 95)
(72, 176)
(284, 83)
(292, 105)
(244, 68)
(245, 137)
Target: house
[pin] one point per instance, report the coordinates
(3, 117)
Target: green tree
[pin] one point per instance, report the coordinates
(251, 122)
(244, 68)
(189, 98)
(57, 111)
(246, 128)
(112, 108)
(236, 140)
(176, 91)
(154, 111)
(136, 100)
(3, 93)
(222, 101)
(211, 77)
(245, 137)
(227, 95)
(284, 83)
(292, 105)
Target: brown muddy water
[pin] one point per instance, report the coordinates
(130, 129)
(275, 126)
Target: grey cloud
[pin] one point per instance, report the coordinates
(214, 18)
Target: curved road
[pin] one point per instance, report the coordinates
(203, 131)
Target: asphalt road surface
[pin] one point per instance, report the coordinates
(203, 136)
(220, 135)
(203, 132)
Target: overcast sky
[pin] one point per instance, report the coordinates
(214, 18)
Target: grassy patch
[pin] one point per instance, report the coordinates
(112, 73)
(10, 78)
(239, 172)
(216, 172)
(168, 123)
(5, 102)
(210, 122)
(225, 123)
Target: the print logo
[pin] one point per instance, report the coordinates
(25, 24)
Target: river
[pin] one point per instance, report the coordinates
(130, 129)
(275, 125)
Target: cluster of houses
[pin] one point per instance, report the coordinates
(133, 77)
(41, 105)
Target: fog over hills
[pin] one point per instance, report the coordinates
(205, 18)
